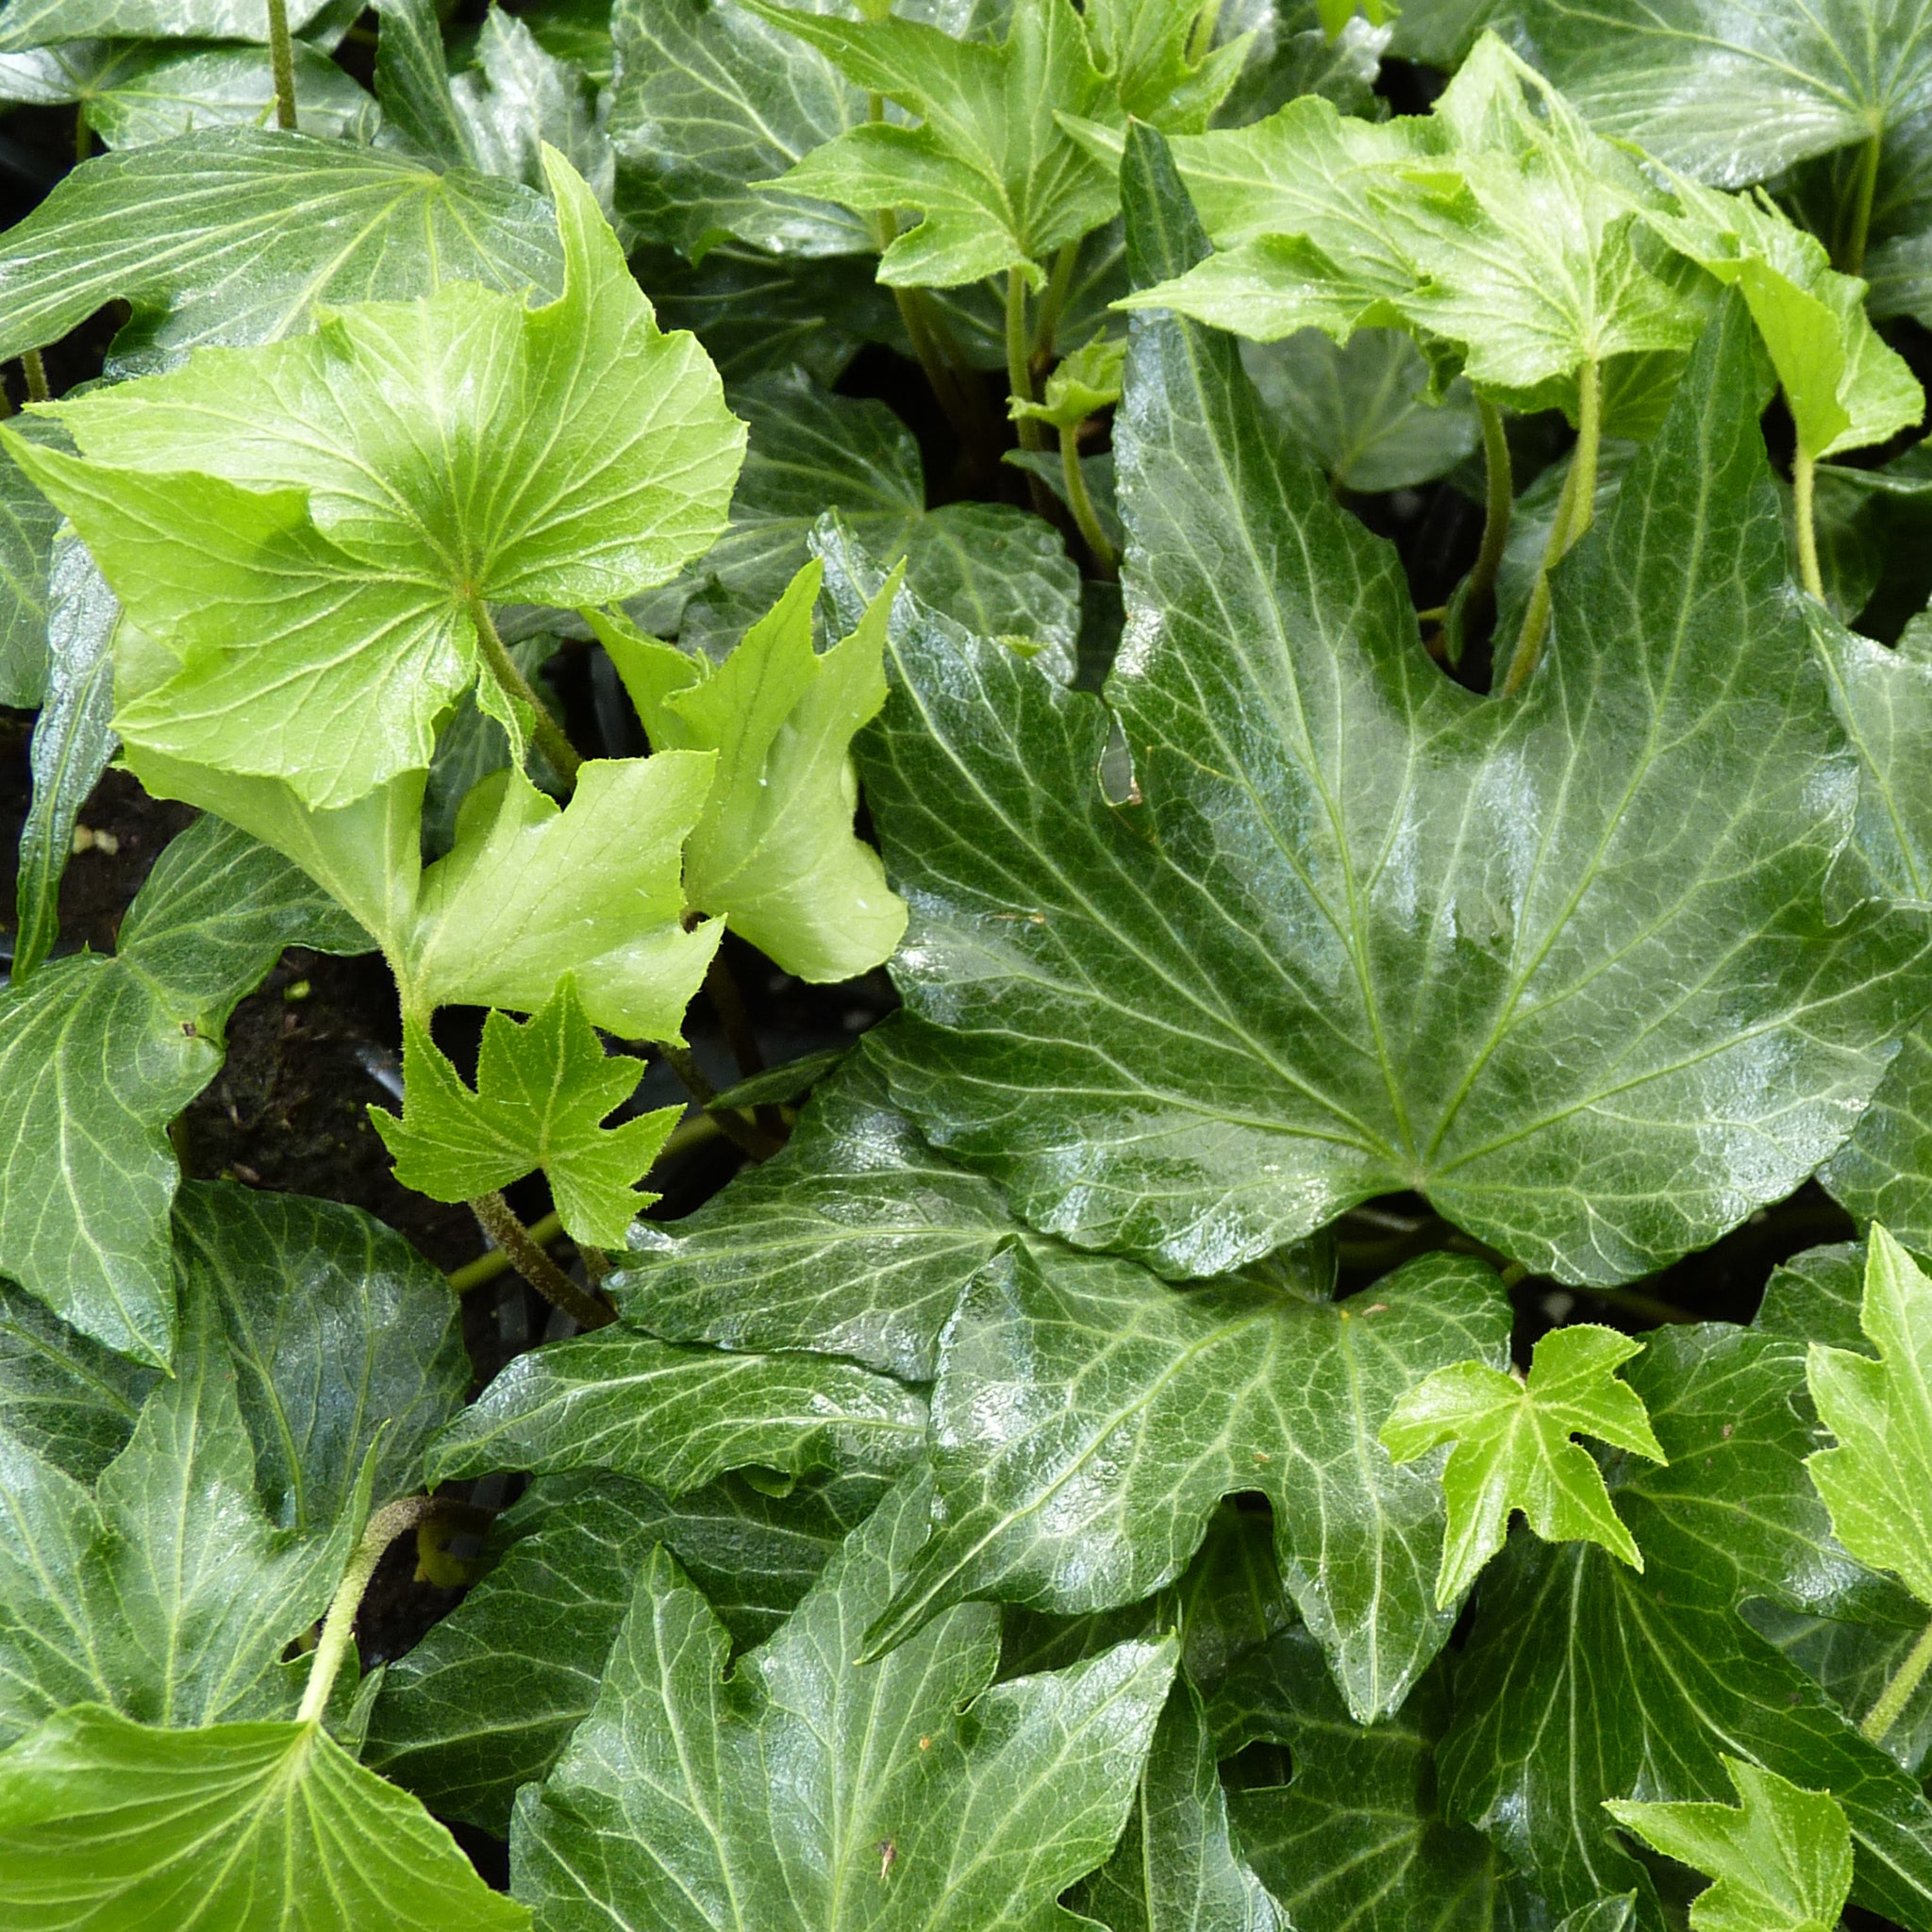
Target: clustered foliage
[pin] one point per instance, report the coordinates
(1118, 1452)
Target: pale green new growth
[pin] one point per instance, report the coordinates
(774, 852)
(1089, 381)
(373, 486)
(542, 1091)
(1877, 1482)
(1781, 1858)
(1513, 1449)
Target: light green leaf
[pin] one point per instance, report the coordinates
(237, 236)
(1877, 1482)
(999, 184)
(27, 523)
(1782, 1856)
(914, 1793)
(293, 475)
(774, 854)
(677, 1418)
(1145, 47)
(344, 1339)
(1361, 409)
(1086, 1417)
(1583, 1680)
(238, 1827)
(542, 1091)
(72, 744)
(1359, 1840)
(711, 99)
(40, 22)
(1085, 381)
(1733, 94)
(65, 1398)
(136, 92)
(1513, 1449)
(164, 1591)
(1365, 931)
(489, 1698)
(1177, 1868)
(98, 1054)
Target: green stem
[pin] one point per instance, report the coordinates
(1082, 504)
(495, 1262)
(1019, 362)
(548, 733)
(743, 1134)
(1898, 1693)
(1804, 482)
(1059, 285)
(734, 1017)
(281, 55)
(1501, 502)
(339, 1626)
(1864, 190)
(83, 133)
(1575, 508)
(498, 1219)
(35, 369)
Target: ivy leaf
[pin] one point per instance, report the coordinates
(543, 1088)
(164, 1591)
(916, 1792)
(1582, 1680)
(999, 184)
(65, 1398)
(237, 235)
(678, 1418)
(1781, 1858)
(1877, 1481)
(98, 1054)
(487, 1699)
(1513, 1449)
(1737, 94)
(256, 465)
(347, 1344)
(1345, 990)
(1177, 1868)
(1086, 1417)
(1359, 1802)
(233, 1827)
(27, 523)
(39, 23)
(1143, 47)
(775, 853)
(709, 99)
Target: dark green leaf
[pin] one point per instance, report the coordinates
(911, 1794)
(28, 523)
(64, 1396)
(37, 23)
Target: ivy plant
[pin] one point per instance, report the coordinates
(969, 967)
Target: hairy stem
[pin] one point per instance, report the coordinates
(494, 1262)
(1864, 190)
(1804, 490)
(1019, 357)
(281, 55)
(1574, 510)
(36, 372)
(1104, 559)
(1898, 1693)
(1499, 504)
(548, 733)
(498, 1219)
(338, 1627)
(743, 1134)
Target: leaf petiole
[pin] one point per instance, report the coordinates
(1575, 508)
(1081, 504)
(1058, 284)
(555, 746)
(1898, 1692)
(1804, 479)
(498, 1219)
(1864, 190)
(281, 54)
(389, 1523)
(1019, 357)
(1500, 501)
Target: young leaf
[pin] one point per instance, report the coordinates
(915, 1792)
(677, 1418)
(346, 1343)
(999, 184)
(239, 235)
(775, 853)
(1085, 381)
(233, 1827)
(254, 467)
(1259, 994)
(98, 1054)
(543, 1090)
(489, 1698)
(1086, 1417)
(1583, 1680)
(1781, 1858)
(1145, 47)
(1877, 1482)
(164, 1591)
(1513, 1449)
